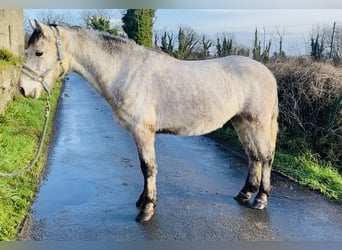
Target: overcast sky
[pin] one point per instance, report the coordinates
(296, 24)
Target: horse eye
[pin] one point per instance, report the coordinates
(39, 53)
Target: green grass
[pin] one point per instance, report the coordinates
(20, 128)
(16, 62)
(309, 171)
(296, 162)
(8, 59)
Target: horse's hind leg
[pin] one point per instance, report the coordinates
(144, 139)
(254, 166)
(255, 137)
(261, 198)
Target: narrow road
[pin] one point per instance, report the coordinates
(93, 179)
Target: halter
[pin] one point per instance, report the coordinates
(40, 77)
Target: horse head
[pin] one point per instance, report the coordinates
(45, 60)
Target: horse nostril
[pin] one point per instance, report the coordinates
(22, 91)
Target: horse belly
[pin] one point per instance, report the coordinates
(211, 122)
(195, 120)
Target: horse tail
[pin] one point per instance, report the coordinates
(274, 123)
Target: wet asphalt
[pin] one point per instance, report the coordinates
(93, 179)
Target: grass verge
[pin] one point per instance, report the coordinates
(309, 170)
(8, 59)
(20, 128)
(301, 166)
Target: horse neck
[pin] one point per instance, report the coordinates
(97, 65)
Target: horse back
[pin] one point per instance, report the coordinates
(197, 97)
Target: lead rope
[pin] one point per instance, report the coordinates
(40, 147)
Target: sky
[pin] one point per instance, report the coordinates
(295, 24)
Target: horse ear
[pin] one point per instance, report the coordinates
(43, 28)
(33, 24)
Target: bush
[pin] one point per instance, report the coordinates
(310, 102)
(5, 55)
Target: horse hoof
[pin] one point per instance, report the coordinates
(242, 198)
(144, 216)
(258, 204)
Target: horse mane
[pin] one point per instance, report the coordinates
(111, 43)
(34, 37)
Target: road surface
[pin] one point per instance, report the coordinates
(93, 179)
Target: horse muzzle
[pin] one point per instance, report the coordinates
(30, 92)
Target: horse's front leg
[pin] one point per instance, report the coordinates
(144, 139)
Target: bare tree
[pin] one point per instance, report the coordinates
(50, 17)
(167, 42)
(205, 45)
(319, 38)
(333, 41)
(225, 44)
(187, 42)
(280, 54)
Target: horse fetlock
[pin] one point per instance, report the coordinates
(146, 213)
(253, 187)
(141, 200)
(243, 197)
(260, 201)
(144, 199)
